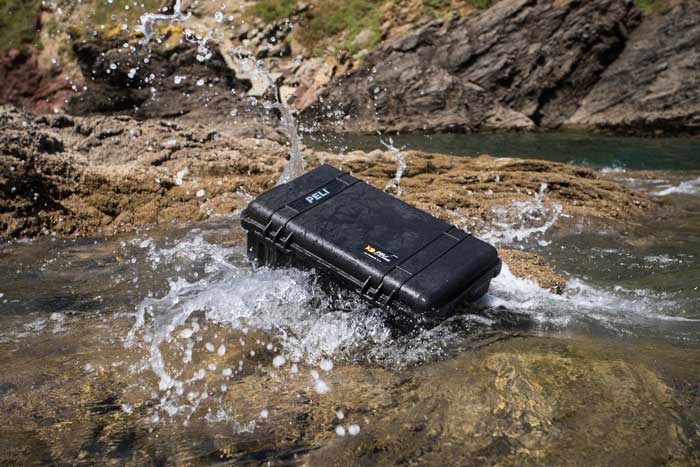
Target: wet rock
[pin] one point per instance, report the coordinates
(524, 264)
(524, 401)
(654, 86)
(109, 174)
(519, 64)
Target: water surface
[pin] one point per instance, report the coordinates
(167, 346)
(595, 151)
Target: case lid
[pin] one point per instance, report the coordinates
(388, 248)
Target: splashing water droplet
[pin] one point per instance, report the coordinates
(296, 165)
(149, 20)
(278, 361)
(400, 158)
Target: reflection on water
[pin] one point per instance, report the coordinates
(595, 151)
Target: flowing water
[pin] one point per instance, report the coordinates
(167, 346)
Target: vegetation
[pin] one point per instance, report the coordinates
(332, 17)
(442, 4)
(273, 10)
(326, 19)
(122, 11)
(18, 20)
(656, 7)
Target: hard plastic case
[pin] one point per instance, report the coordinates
(389, 252)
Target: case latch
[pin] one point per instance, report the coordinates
(274, 231)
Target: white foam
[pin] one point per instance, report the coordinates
(688, 187)
(579, 301)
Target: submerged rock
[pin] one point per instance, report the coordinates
(525, 401)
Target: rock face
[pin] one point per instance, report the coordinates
(520, 64)
(162, 82)
(530, 63)
(655, 84)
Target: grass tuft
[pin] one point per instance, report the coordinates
(443, 4)
(659, 7)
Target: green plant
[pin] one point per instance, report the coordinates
(435, 4)
(445, 4)
(18, 23)
(658, 7)
(330, 18)
(482, 4)
(273, 10)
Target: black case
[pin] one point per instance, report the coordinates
(388, 251)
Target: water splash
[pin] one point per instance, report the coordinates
(296, 165)
(688, 187)
(400, 158)
(301, 324)
(523, 220)
(149, 21)
(616, 309)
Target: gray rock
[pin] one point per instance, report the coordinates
(520, 64)
(655, 84)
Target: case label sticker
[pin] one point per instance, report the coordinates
(317, 196)
(378, 254)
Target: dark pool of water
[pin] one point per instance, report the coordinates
(596, 151)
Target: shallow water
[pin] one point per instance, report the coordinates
(595, 151)
(167, 346)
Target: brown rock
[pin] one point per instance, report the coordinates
(101, 175)
(28, 85)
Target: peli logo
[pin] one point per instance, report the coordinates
(317, 196)
(378, 255)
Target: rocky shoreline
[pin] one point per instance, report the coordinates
(71, 176)
(520, 65)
